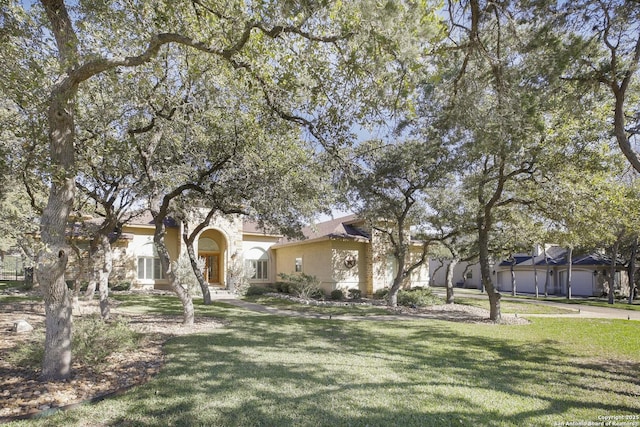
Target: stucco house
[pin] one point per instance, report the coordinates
(342, 253)
(589, 273)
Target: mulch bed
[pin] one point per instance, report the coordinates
(23, 394)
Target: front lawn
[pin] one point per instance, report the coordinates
(263, 370)
(506, 306)
(622, 304)
(334, 308)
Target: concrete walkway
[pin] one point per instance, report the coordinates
(293, 313)
(578, 311)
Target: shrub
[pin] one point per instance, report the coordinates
(121, 286)
(314, 293)
(94, 340)
(239, 276)
(29, 354)
(301, 285)
(355, 293)
(337, 294)
(418, 297)
(282, 287)
(256, 290)
(381, 293)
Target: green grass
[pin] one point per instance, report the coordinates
(461, 294)
(18, 298)
(263, 370)
(12, 284)
(514, 306)
(620, 304)
(341, 308)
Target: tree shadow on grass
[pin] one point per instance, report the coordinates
(266, 370)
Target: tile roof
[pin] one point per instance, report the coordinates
(337, 228)
(144, 217)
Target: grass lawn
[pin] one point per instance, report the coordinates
(335, 310)
(621, 304)
(514, 306)
(462, 294)
(263, 370)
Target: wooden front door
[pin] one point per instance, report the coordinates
(212, 268)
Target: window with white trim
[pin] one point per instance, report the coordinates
(298, 266)
(257, 264)
(149, 268)
(259, 268)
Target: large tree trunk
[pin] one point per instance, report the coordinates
(53, 258)
(569, 270)
(535, 272)
(204, 286)
(513, 277)
(165, 260)
(450, 267)
(105, 272)
(392, 298)
(398, 281)
(485, 272)
(631, 271)
(92, 279)
(56, 364)
(547, 272)
(612, 272)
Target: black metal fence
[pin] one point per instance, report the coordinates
(11, 268)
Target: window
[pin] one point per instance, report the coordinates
(257, 264)
(149, 268)
(298, 266)
(258, 269)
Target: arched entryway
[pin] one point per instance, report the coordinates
(212, 247)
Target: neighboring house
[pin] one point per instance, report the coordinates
(589, 274)
(342, 254)
(465, 275)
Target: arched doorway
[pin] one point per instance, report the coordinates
(212, 247)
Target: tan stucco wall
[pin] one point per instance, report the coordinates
(316, 261)
(348, 278)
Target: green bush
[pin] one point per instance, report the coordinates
(355, 293)
(418, 297)
(93, 341)
(282, 287)
(301, 285)
(381, 293)
(315, 293)
(255, 290)
(29, 354)
(337, 294)
(120, 286)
